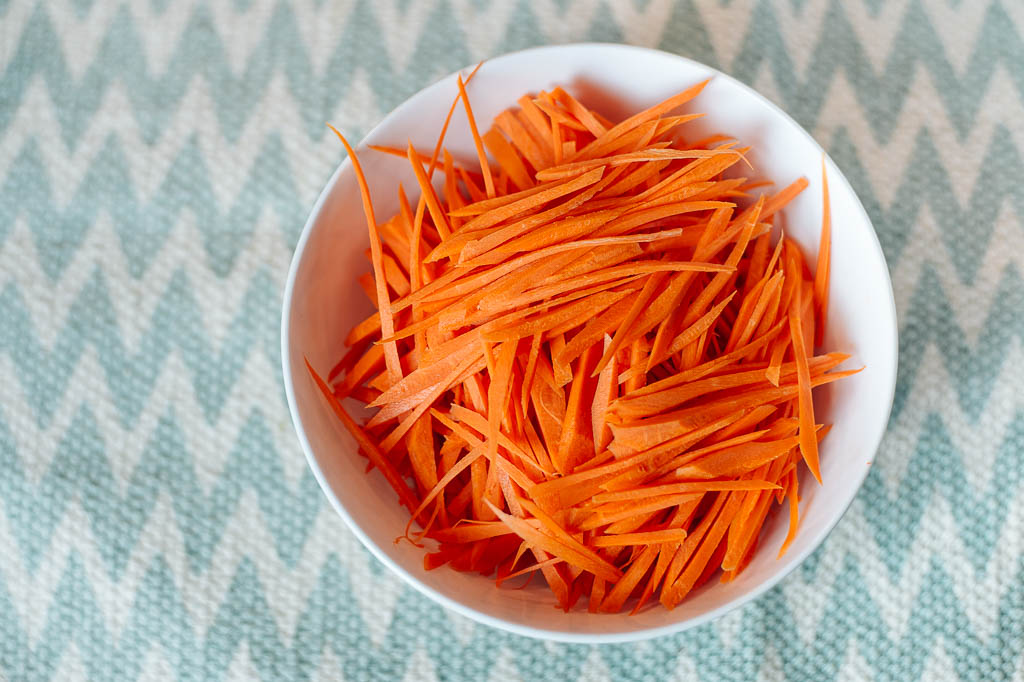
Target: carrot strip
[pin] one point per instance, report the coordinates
(653, 112)
(654, 537)
(398, 151)
(497, 394)
(546, 103)
(808, 442)
(476, 193)
(387, 323)
(623, 588)
(688, 487)
(794, 513)
(525, 144)
(508, 159)
(651, 154)
(470, 364)
(821, 270)
(534, 120)
(470, 532)
(576, 440)
(546, 194)
(604, 393)
(367, 445)
(481, 154)
(582, 114)
(531, 367)
(777, 202)
(574, 554)
(428, 193)
(448, 120)
(736, 461)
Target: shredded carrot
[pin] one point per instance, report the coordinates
(387, 323)
(654, 537)
(808, 443)
(590, 359)
(485, 167)
(508, 159)
(366, 444)
(821, 271)
(429, 195)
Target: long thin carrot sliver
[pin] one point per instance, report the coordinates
(481, 154)
(368, 446)
(808, 441)
(447, 121)
(821, 270)
(387, 323)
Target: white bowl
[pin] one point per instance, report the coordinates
(322, 301)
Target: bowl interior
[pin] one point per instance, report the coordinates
(322, 301)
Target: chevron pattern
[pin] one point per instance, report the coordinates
(157, 159)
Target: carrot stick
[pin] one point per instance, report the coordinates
(497, 215)
(481, 154)
(508, 159)
(821, 270)
(653, 112)
(534, 152)
(604, 393)
(448, 120)
(808, 442)
(577, 440)
(580, 112)
(367, 445)
(578, 167)
(775, 204)
(574, 554)
(387, 323)
(654, 537)
(794, 512)
(428, 193)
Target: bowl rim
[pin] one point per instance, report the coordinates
(793, 560)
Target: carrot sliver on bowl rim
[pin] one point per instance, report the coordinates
(592, 361)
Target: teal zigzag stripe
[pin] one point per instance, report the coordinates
(327, 621)
(117, 518)
(916, 44)
(176, 324)
(201, 53)
(966, 230)
(936, 471)
(144, 227)
(930, 320)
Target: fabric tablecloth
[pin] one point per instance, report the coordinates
(157, 162)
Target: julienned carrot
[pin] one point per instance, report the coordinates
(366, 444)
(577, 167)
(652, 537)
(808, 443)
(427, 190)
(821, 271)
(485, 167)
(383, 301)
(595, 367)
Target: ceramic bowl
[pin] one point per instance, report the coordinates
(322, 301)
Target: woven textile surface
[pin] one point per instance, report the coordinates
(157, 162)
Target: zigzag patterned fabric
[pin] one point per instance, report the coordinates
(157, 161)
